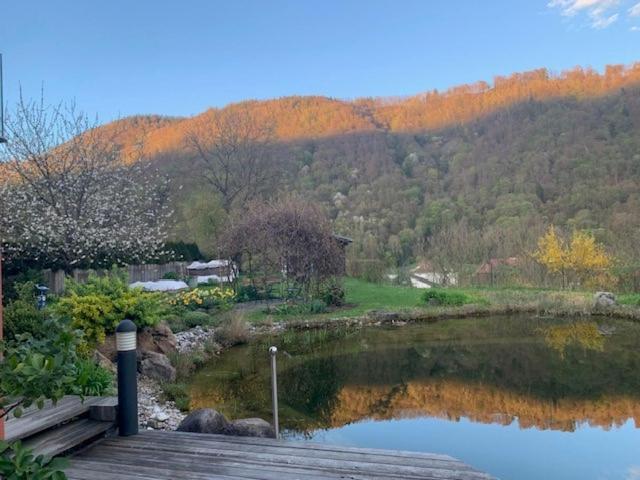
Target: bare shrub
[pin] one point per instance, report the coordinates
(234, 329)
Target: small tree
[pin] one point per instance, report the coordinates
(552, 254)
(583, 256)
(290, 239)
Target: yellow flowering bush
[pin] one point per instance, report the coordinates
(204, 298)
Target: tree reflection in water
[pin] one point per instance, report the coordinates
(544, 373)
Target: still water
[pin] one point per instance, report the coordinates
(518, 397)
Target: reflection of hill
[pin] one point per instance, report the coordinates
(453, 400)
(540, 372)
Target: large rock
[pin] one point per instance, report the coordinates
(251, 427)
(108, 348)
(205, 420)
(158, 339)
(157, 366)
(103, 361)
(604, 299)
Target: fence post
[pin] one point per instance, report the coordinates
(127, 378)
(274, 390)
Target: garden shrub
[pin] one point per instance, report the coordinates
(92, 379)
(444, 297)
(34, 370)
(197, 318)
(332, 293)
(98, 306)
(204, 297)
(18, 462)
(234, 330)
(315, 306)
(21, 315)
(171, 276)
(248, 293)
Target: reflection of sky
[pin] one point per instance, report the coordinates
(508, 452)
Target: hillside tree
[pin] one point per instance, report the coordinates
(235, 155)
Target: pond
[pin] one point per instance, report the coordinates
(518, 397)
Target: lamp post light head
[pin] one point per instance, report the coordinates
(126, 336)
(273, 350)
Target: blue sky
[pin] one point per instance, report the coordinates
(118, 58)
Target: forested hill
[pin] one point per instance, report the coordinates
(497, 162)
(314, 117)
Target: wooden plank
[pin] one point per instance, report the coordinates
(90, 470)
(201, 457)
(59, 440)
(226, 444)
(35, 420)
(182, 436)
(262, 462)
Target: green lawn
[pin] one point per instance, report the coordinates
(362, 297)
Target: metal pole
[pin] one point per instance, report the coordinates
(2, 138)
(274, 390)
(127, 378)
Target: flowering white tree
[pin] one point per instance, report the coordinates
(67, 199)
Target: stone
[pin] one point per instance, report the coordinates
(159, 414)
(204, 420)
(604, 299)
(108, 348)
(251, 427)
(104, 362)
(157, 366)
(158, 339)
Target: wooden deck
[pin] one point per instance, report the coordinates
(154, 455)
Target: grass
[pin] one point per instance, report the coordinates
(630, 299)
(363, 297)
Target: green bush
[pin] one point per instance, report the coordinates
(443, 297)
(92, 379)
(332, 293)
(171, 276)
(18, 462)
(34, 370)
(98, 306)
(21, 315)
(176, 322)
(315, 306)
(248, 293)
(197, 318)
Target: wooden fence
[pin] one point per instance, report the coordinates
(137, 273)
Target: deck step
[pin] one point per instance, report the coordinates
(68, 408)
(64, 438)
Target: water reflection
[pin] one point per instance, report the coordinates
(531, 374)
